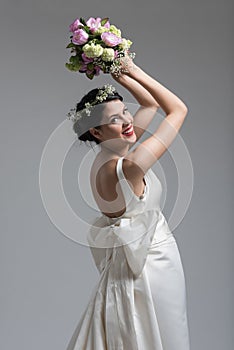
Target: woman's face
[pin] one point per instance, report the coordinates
(115, 122)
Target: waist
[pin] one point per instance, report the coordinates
(162, 231)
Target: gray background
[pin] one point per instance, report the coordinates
(47, 279)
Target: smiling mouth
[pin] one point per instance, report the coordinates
(129, 131)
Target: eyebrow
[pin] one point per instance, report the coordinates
(113, 115)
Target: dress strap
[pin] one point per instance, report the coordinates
(126, 189)
(128, 193)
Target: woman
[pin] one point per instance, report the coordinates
(139, 302)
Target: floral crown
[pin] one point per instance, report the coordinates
(100, 97)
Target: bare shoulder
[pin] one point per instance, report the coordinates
(103, 178)
(106, 189)
(131, 171)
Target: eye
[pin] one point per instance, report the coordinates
(114, 120)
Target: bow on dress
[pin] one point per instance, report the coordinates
(129, 236)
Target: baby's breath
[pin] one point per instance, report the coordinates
(116, 68)
(101, 96)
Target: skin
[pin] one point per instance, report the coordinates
(150, 95)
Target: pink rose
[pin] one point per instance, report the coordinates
(80, 37)
(74, 26)
(94, 23)
(84, 67)
(107, 24)
(110, 39)
(97, 70)
(86, 59)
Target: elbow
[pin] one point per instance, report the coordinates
(185, 107)
(183, 110)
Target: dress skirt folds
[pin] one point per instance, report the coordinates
(139, 302)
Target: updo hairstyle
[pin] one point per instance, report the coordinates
(90, 97)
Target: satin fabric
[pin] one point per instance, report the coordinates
(139, 302)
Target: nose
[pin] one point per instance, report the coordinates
(127, 120)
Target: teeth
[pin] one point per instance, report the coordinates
(128, 131)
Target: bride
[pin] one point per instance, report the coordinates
(139, 302)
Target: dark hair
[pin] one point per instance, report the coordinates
(90, 97)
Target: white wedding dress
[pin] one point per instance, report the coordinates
(139, 302)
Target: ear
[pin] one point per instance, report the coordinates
(95, 132)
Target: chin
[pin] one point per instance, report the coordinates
(130, 139)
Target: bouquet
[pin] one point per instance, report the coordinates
(97, 46)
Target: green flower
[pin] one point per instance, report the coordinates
(108, 54)
(101, 30)
(125, 44)
(129, 42)
(92, 50)
(115, 30)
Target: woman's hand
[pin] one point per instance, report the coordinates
(126, 67)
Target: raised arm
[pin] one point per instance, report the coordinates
(150, 150)
(148, 104)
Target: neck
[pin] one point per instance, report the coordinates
(116, 152)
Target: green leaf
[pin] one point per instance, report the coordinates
(90, 66)
(82, 21)
(70, 45)
(78, 65)
(104, 21)
(78, 48)
(74, 59)
(71, 67)
(90, 76)
(86, 28)
(96, 41)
